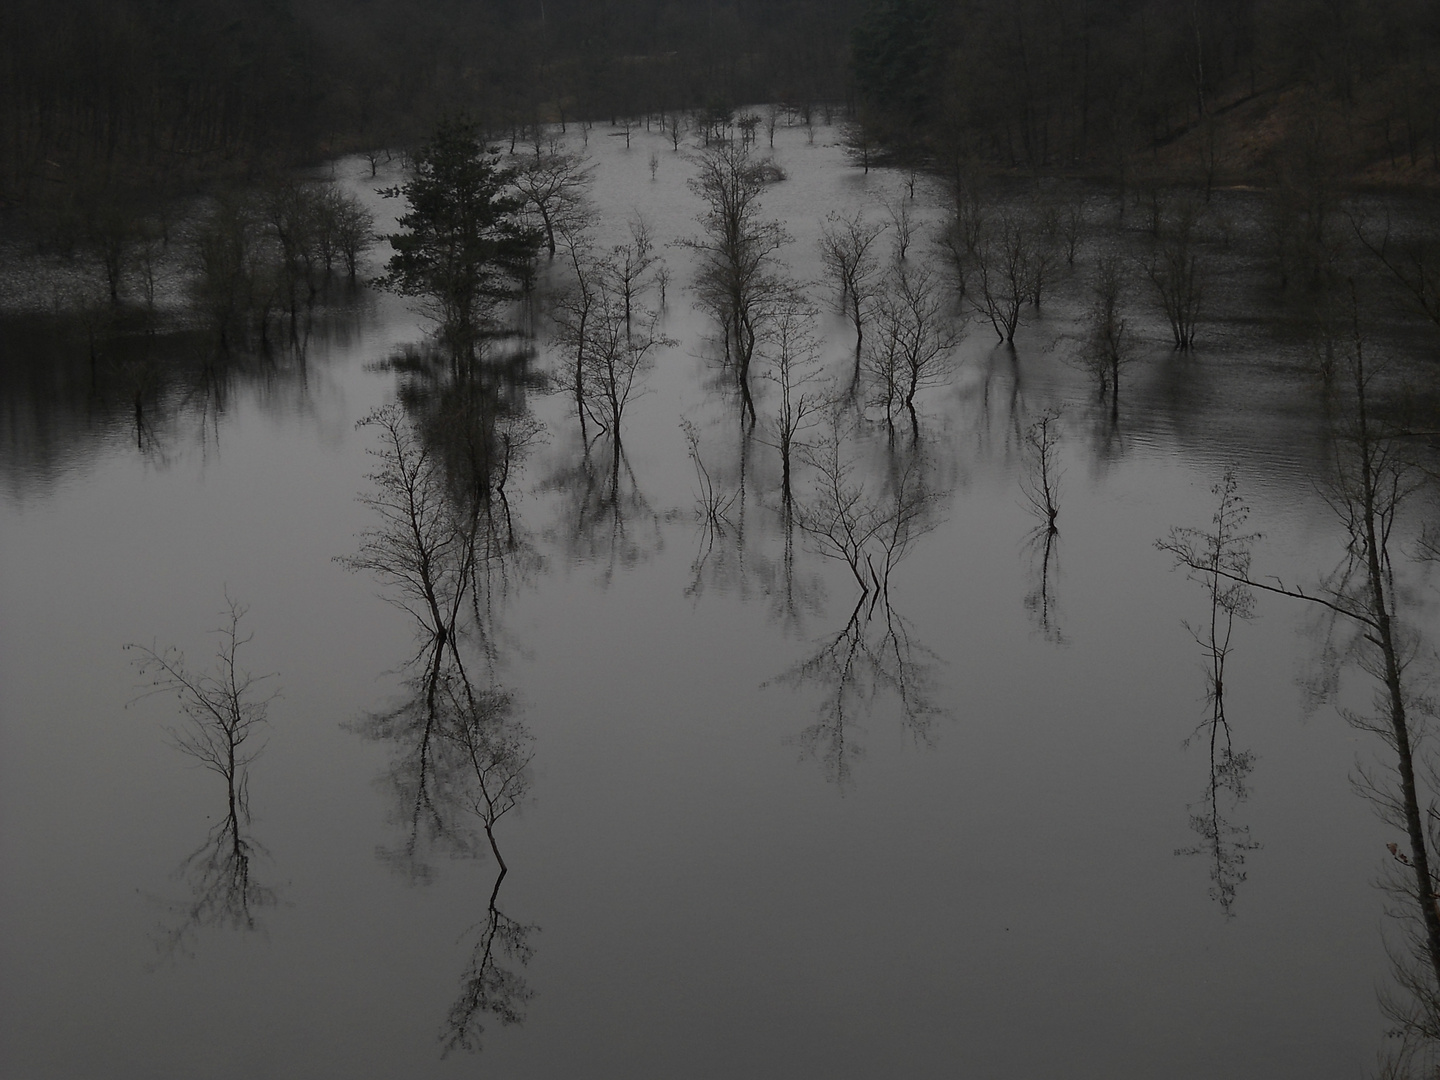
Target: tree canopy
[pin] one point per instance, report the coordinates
(465, 245)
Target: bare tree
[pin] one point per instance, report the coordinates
(1226, 549)
(1413, 264)
(902, 223)
(628, 265)
(574, 305)
(847, 249)
(1005, 257)
(1174, 269)
(739, 279)
(914, 339)
(224, 711)
(352, 227)
(1107, 346)
(620, 347)
(555, 185)
(793, 352)
(847, 520)
(1373, 479)
(1041, 481)
(424, 544)
(222, 708)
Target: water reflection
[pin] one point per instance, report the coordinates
(461, 751)
(1040, 485)
(604, 518)
(76, 386)
(869, 524)
(1220, 561)
(224, 711)
(492, 986)
(871, 659)
(223, 893)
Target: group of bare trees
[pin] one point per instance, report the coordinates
(605, 324)
(269, 252)
(740, 279)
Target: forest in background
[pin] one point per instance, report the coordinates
(1189, 91)
(112, 109)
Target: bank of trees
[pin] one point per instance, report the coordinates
(1106, 84)
(266, 253)
(136, 96)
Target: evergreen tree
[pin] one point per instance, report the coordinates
(465, 246)
(894, 56)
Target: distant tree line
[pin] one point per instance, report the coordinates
(131, 94)
(1111, 86)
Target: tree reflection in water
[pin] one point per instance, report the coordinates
(1376, 471)
(444, 538)
(726, 522)
(605, 519)
(223, 710)
(870, 528)
(1220, 561)
(1040, 484)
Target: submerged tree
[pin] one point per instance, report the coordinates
(1006, 260)
(1373, 478)
(739, 279)
(1040, 484)
(464, 245)
(555, 186)
(793, 353)
(1223, 551)
(1107, 346)
(422, 544)
(847, 245)
(224, 711)
(914, 337)
(870, 526)
(1176, 273)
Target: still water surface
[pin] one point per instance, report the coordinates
(712, 873)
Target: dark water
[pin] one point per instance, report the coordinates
(759, 836)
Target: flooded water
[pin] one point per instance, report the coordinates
(762, 831)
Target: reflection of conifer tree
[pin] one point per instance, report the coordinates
(1225, 551)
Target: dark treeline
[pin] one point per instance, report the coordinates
(1235, 89)
(140, 93)
(111, 103)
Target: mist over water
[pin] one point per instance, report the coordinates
(765, 822)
